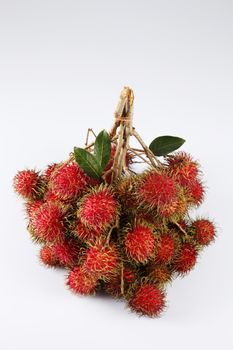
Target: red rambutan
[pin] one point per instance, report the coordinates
(98, 209)
(27, 184)
(66, 252)
(186, 258)
(68, 181)
(48, 257)
(196, 192)
(101, 260)
(148, 300)
(47, 222)
(165, 248)
(32, 207)
(183, 168)
(157, 189)
(140, 243)
(49, 171)
(204, 231)
(81, 282)
(86, 234)
(160, 274)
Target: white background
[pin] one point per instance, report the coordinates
(62, 66)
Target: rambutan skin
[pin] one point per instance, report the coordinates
(47, 222)
(183, 168)
(196, 192)
(186, 258)
(27, 184)
(48, 257)
(160, 274)
(68, 181)
(87, 234)
(204, 231)
(102, 260)
(157, 189)
(32, 207)
(80, 282)
(165, 248)
(98, 209)
(139, 243)
(66, 252)
(148, 300)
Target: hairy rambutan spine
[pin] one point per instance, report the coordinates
(165, 248)
(86, 234)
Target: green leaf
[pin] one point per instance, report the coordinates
(102, 148)
(163, 145)
(87, 162)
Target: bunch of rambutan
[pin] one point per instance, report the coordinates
(114, 229)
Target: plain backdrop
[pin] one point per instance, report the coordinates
(62, 67)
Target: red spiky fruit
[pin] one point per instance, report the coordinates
(160, 274)
(32, 207)
(183, 168)
(148, 300)
(98, 209)
(68, 181)
(165, 248)
(47, 256)
(157, 189)
(49, 171)
(80, 282)
(204, 231)
(186, 258)
(26, 183)
(47, 222)
(140, 243)
(102, 260)
(87, 234)
(196, 192)
(66, 252)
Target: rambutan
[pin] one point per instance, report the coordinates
(147, 300)
(204, 231)
(160, 274)
(86, 234)
(186, 258)
(49, 171)
(165, 248)
(102, 260)
(48, 257)
(32, 207)
(196, 192)
(139, 243)
(157, 189)
(28, 184)
(80, 282)
(47, 221)
(68, 181)
(183, 168)
(98, 209)
(66, 252)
